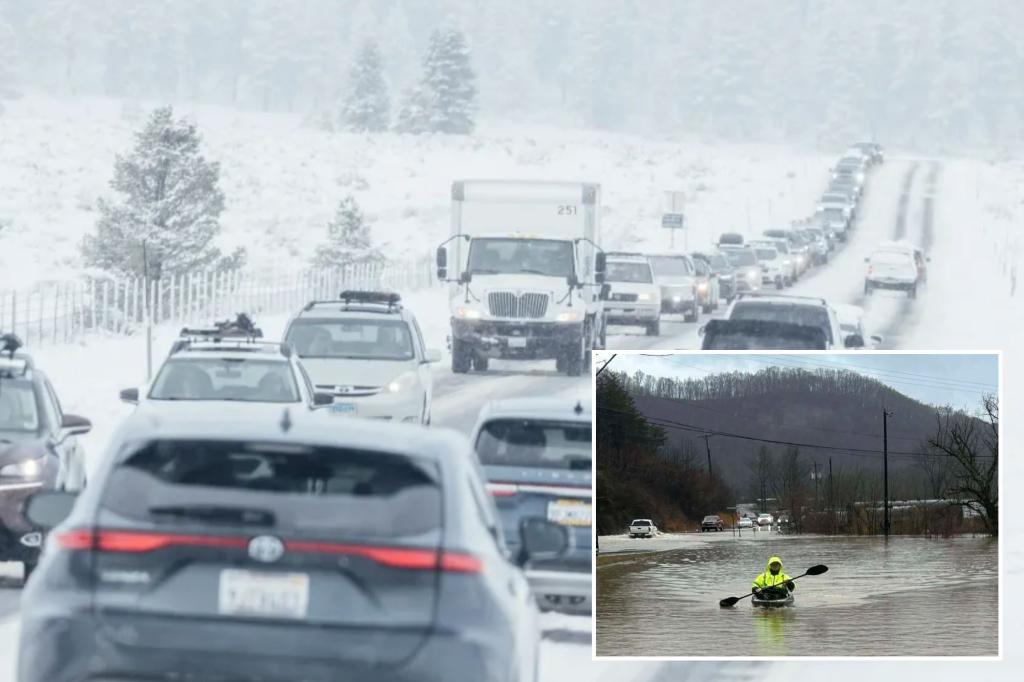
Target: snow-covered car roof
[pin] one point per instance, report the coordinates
(565, 409)
(848, 313)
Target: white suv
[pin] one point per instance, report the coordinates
(892, 269)
(775, 268)
(801, 310)
(367, 351)
(633, 296)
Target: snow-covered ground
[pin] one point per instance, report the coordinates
(283, 180)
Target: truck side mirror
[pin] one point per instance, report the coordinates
(599, 264)
(573, 281)
(442, 263)
(606, 290)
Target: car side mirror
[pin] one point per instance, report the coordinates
(432, 355)
(542, 540)
(321, 399)
(876, 339)
(867, 260)
(130, 396)
(48, 509)
(466, 277)
(73, 425)
(700, 330)
(854, 341)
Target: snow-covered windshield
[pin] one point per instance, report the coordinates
(533, 443)
(792, 313)
(360, 338)
(670, 266)
(741, 257)
(764, 253)
(235, 379)
(834, 213)
(718, 262)
(18, 409)
(499, 256)
(628, 272)
(892, 258)
(768, 340)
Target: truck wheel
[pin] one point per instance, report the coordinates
(480, 363)
(573, 358)
(461, 358)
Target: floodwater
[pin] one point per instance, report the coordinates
(905, 597)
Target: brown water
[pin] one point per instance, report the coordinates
(904, 597)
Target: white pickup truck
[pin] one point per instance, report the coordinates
(642, 528)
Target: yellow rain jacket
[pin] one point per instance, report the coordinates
(768, 579)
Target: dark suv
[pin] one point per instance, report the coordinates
(38, 449)
(710, 523)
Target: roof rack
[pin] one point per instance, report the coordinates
(365, 301)
(237, 334)
(9, 344)
(768, 294)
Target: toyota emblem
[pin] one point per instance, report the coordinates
(343, 389)
(266, 548)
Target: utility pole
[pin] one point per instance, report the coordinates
(831, 499)
(149, 314)
(885, 466)
(707, 445)
(605, 365)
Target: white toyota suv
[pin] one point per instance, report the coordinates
(367, 351)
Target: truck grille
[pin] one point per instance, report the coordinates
(624, 297)
(507, 304)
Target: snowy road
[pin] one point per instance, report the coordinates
(903, 199)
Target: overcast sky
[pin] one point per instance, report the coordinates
(955, 380)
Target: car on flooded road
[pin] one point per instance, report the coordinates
(216, 547)
(536, 457)
(712, 522)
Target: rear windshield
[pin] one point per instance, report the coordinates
(892, 258)
(834, 212)
(767, 254)
(532, 443)
(353, 338)
(280, 486)
(239, 379)
(741, 257)
(641, 522)
(667, 266)
(628, 272)
(804, 315)
(765, 341)
(18, 409)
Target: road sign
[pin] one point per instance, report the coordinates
(673, 221)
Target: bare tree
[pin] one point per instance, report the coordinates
(972, 447)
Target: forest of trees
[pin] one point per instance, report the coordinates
(944, 456)
(932, 75)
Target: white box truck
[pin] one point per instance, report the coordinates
(525, 272)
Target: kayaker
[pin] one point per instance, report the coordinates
(773, 577)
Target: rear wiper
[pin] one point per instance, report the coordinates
(237, 515)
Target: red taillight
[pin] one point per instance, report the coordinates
(132, 542)
(502, 489)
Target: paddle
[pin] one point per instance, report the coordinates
(813, 570)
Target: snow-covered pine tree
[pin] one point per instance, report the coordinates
(348, 239)
(169, 206)
(367, 107)
(447, 91)
(414, 116)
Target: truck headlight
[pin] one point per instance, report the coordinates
(569, 316)
(645, 297)
(468, 313)
(753, 274)
(703, 286)
(403, 382)
(30, 468)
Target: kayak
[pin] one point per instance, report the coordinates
(777, 598)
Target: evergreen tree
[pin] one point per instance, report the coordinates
(367, 107)
(169, 206)
(445, 100)
(348, 239)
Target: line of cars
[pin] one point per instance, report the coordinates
(277, 509)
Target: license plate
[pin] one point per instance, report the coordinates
(270, 595)
(516, 343)
(570, 512)
(344, 408)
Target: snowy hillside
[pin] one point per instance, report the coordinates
(282, 180)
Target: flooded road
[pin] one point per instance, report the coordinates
(907, 597)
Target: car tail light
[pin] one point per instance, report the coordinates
(135, 542)
(502, 489)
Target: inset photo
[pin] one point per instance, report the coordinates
(797, 505)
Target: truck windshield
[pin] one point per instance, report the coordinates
(550, 257)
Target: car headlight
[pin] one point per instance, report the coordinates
(786, 262)
(703, 286)
(403, 382)
(753, 274)
(570, 316)
(468, 313)
(30, 468)
(645, 297)
(799, 259)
